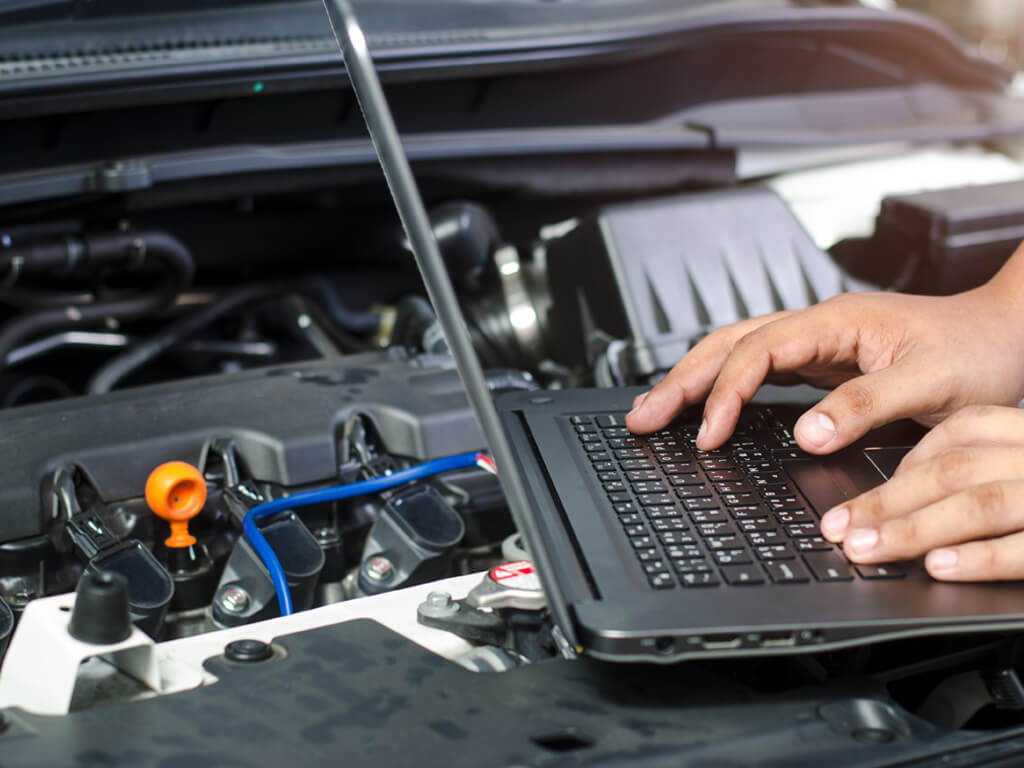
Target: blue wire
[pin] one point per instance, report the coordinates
(335, 493)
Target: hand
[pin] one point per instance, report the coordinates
(888, 356)
(957, 496)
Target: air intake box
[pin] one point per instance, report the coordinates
(659, 274)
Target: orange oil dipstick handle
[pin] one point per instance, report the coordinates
(176, 491)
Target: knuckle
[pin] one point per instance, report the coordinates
(857, 398)
(867, 509)
(988, 498)
(988, 557)
(950, 465)
(902, 536)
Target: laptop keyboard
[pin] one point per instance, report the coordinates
(727, 517)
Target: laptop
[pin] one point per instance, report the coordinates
(650, 550)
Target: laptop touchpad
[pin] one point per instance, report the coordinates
(831, 481)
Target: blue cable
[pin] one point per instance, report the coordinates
(335, 493)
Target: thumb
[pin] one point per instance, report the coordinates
(861, 404)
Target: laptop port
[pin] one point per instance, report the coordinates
(778, 640)
(721, 642)
(665, 645)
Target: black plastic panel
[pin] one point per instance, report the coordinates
(356, 694)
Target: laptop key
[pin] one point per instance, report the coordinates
(691, 566)
(675, 537)
(634, 464)
(734, 487)
(641, 541)
(685, 478)
(709, 516)
(581, 420)
(654, 566)
(663, 512)
(696, 504)
(742, 575)
(610, 420)
(747, 513)
(631, 519)
(593, 447)
(767, 479)
(756, 524)
(635, 529)
(717, 463)
(814, 544)
(625, 508)
(768, 538)
(732, 557)
(783, 572)
(740, 499)
(881, 571)
(600, 457)
(700, 579)
(642, 475)
(778, 491)
(670, 524)
(614, 486)
(656, 499)
(795, 516)
(701, 491)
(624, 442)
(612, 432)
(649, 486)
(775, 552)
(603, 466)
(679, 468)
(725, 475)
(828, 566)
(647, 554)
(684, 552)
(620, 497)
(724, 542)
(716, 529)
(608, 476)
(662, 580)
(630, 453)
(798, 530)
(785, 504)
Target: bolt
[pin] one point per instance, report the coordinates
(247, 651)
(440, 600)
(325, 536)
(234, 599)
(379, 568)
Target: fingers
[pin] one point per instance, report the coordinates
(859, 405)
(980, 511)
(785, 345)
(974, 425)
(953, 471)
(691, 378)
(999, 559)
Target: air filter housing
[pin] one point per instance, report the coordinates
(661, 273)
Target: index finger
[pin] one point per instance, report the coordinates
(691, 378)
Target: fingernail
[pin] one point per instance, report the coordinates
(639, 403)
(702, 431)
(815, 429)
(862, 540)
(942, 559)
(834, 523)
